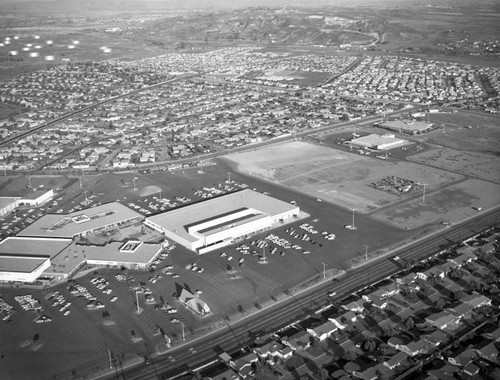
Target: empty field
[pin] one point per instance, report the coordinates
(473, 164)
(452, 204)
(335, 176)
(467, 131)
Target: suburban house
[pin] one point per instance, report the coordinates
(243, 365)
(462, 358)
(396, 360)
(441, 320)
(298, 341)
(476, 300)
(488, 351)
(272, 349)
(323, 331)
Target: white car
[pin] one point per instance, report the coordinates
(113, 299)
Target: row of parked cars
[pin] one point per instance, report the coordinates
(59, 301)
(6, 309)
(29, 303)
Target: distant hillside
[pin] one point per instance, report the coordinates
(79, 7)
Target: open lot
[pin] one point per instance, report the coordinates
(335, 176)
(469, 131)
(473, 164)
(451, 204)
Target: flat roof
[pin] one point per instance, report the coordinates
(180, 219)
(407, 124)
(19, 264)
(73, 255)
(375, 139)
(25, 246)
(231, 223)
(59, 225)
(34, 194)
(5, 201)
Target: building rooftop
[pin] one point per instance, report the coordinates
(5, 201)
(27, 246)
(78, 222)
(406, 125)
(376, 140)
(180, 219)
(24, 264)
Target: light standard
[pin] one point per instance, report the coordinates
(324, 270)
(366, 252)
(263, 259)
(136, 289)
(423, 194)
(182, 329)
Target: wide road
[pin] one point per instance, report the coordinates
(240, 333)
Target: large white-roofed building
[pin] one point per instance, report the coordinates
(81, 222)
(379, 142)
(218, 222)
(411, 127)
(25, 259)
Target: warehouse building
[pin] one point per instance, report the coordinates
(205, 226)
(378, 142)
(99, 218)
(25, 259)
(411, 127)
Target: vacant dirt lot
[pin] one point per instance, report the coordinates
(473, 164)
(335, 176)
(452, 204)
(469, 131)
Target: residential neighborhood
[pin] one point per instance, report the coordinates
(439, 315)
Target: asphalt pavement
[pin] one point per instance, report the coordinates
(237, 334)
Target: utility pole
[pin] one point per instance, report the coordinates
(182, 328)
(85, 193)
(263, 259)
(423, 194)
(366, 252)
(29, 182)
(229, 177)
(324, 270)
(133, 181)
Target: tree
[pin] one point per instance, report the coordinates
(440, 303)
(473, 286)
(409, 323)
(370, 345)
(349, 355)
(390, 330)
(458, 294)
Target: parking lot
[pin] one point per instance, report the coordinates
(103, 303)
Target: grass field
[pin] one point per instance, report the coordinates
(335, 176)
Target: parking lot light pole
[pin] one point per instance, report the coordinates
(366, 252)
(182, 328)
(423, 194)
(324, 270)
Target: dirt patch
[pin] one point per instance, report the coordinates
(335, 176)
(473, 164)
(452, 204)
